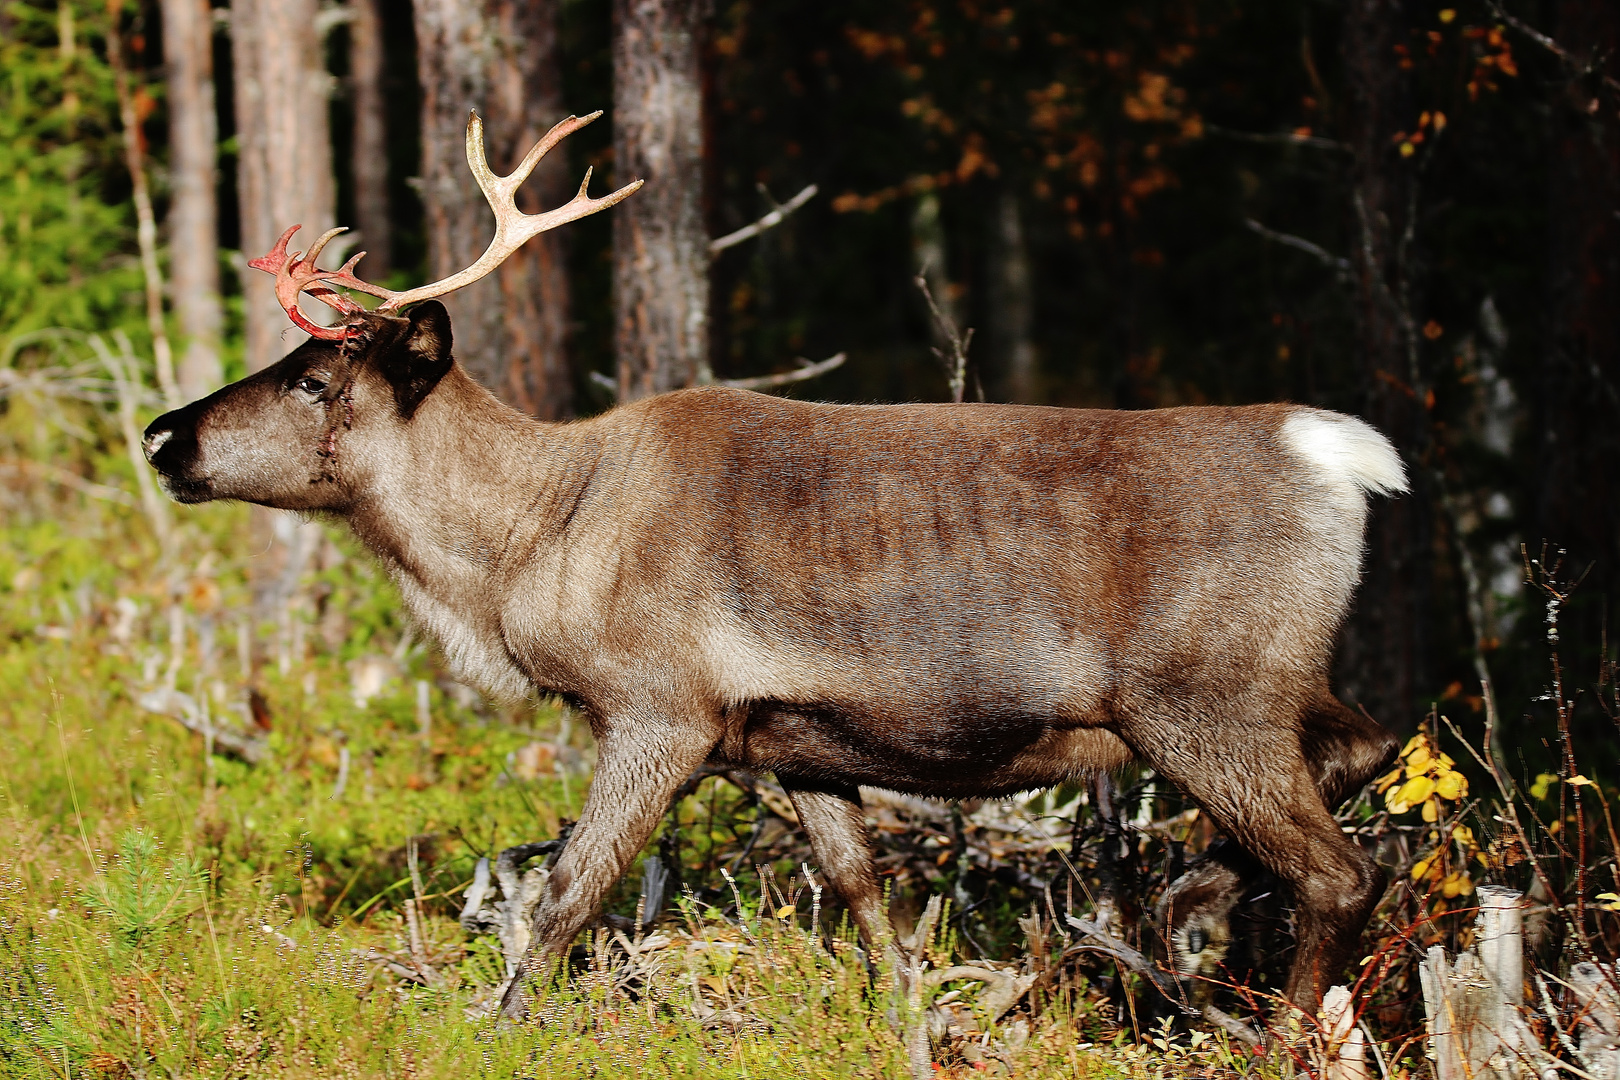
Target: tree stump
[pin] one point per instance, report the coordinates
(1473, 1005)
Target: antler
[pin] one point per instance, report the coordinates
(296, 273)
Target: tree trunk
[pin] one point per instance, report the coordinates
(284, 177)
(499, 57)
(1384, 662)
(660, 245)
(285, 154)
(1012, 304)
(370, 150)
(1576, 501)
(188, 32)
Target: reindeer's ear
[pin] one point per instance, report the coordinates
(415, 363)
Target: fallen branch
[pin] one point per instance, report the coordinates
(1108, 945)
(194, 717)
(1006, 987)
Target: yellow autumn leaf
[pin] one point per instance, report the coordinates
(1420, 869)
(1447, 761)
(1414, 742)
(1609, 901)
(1579, 781)
(1386, 780)
(1431, 810)
(785, 911)
(1543, 782)
(1415, 790)
(1418, 761)
(1457, 884)
(1463, 835)
(1451, 786)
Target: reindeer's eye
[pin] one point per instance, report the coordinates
(310, 385)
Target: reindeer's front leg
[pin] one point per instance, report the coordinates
(643, 754)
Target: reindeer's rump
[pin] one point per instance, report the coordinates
(1004, 560)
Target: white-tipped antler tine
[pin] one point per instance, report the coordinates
(512, 227)
(559, 131)
(488, 182)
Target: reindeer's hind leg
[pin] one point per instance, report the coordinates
(1344, 749)
(1248, 769)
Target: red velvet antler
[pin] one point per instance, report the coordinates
(296, 273)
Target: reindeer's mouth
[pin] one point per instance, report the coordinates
(184, 489)
(171, 449)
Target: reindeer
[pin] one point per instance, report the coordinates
(947, 600)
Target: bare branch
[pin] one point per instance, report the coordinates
(1337, 263)
(1568, 59)
(769, 221)
(807, 371)
(1278, 138)
(956, 365)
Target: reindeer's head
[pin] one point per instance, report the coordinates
(274, 438)
(302, 433)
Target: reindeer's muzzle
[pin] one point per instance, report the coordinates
(171, 448)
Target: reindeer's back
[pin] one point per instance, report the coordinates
(1053, 545)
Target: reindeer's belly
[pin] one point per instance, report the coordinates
(969, 755)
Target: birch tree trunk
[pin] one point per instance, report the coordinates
(285, 172)
(370, 151)
(499, 57)
(660, 244)
(188, 32)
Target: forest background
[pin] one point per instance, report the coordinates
(1406, 211)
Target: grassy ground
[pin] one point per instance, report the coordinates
(287, 904)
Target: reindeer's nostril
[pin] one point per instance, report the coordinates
(155, 441)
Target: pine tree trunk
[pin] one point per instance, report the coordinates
(499, 57)
(370, 160)
(660, 244)
(285, 153)
(188, 31)
(1385, 659)
(1576, 490)
(284, 177)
